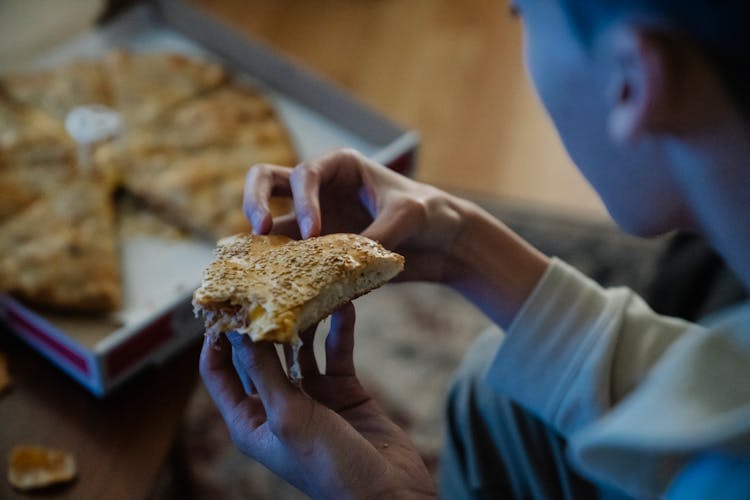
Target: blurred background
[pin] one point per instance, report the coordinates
(452, 71)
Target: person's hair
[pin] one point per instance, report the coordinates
(719, 28)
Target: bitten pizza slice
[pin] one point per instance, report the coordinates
(271, 287)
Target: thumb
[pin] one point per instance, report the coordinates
(261, 363)
(340, 342)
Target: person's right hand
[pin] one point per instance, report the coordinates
(344, 191)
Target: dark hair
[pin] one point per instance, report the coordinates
(719, 28)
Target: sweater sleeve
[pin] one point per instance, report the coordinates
(640, 397)
(575, 349)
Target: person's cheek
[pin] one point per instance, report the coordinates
(568, 86)
(555, 71)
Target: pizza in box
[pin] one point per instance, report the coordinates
(189, 132)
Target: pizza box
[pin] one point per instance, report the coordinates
(160, 272)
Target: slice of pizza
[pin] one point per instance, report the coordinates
(58, 90)
(230, 116)
(61, 252)
(202, 192)
(272, 287)
(145, 85)
(30, 136)
(232, 119)
(23, 183)
(190, 164)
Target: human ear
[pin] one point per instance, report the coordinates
(639, 79)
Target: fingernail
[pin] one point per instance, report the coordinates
(306, 226)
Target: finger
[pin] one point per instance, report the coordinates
(262, 364)
(219, 375)
(340, 342)
(262, 182)
(305, 184)
(306, 361)
(247, 384)
(306, 180)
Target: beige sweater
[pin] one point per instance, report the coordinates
(639, 396)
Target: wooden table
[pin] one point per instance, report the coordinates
(120, 441)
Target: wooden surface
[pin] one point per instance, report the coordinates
(451, 70)
(120, 442)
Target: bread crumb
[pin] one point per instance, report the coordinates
(31, 467)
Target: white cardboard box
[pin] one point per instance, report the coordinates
(159, 275)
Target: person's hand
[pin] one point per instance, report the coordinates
(327, 438)
(443, 238)
(344, 191)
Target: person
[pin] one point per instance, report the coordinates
(588, 393)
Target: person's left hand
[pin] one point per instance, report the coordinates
(329, 439)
